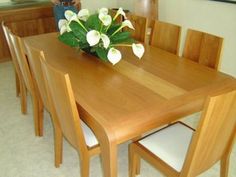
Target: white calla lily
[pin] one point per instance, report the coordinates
(63, 29)
(103, 11)
(70, 15)
(114, 55)
(127, 23)
(93, 37)
(105, 40)
(138, 50)
(83, 14)
(63, 26)
(106, 19)
(61, 23)
(120, 11)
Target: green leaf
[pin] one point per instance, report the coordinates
(78, 31)
(93, 22)
(83, 45)
(121, 37)
(68, 38)
(102, 53)
(113, 28)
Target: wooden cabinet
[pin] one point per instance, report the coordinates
(26, 21)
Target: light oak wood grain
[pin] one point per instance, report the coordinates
(117, 106)
(140, 24)
(149, 80)
(203, 48)
(166, 36)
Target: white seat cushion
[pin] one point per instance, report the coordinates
(170, 144)
(89, 136)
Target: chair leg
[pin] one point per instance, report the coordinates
(224, 166)
(17, 84)
(84, 166)
(36, 114)
(23, 97)
(58, 146)
(138, 165)
(134, 161)
(40, 116)
(138, 159)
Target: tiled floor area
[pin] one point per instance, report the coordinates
(24, 155)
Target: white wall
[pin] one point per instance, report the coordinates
(93, 5)
(126, 4)
(213, 17)
(2, 1)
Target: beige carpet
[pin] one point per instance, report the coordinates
(24, 155)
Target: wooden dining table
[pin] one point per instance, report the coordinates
(122, 102)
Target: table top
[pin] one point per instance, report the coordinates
(133, 96)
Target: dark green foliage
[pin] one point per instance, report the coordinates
(102, 53)
(83, 45)
(93, 23)
(113, 28)
(69, 39)
(78, 31)
(121, 37)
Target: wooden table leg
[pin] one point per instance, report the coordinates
(107, 141)
(109, 158)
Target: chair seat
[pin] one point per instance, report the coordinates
(170, 144)
(89, 136)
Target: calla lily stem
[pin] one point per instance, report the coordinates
(121, 45)
(117, 30)
(82, 25)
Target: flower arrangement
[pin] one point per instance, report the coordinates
(98, 34)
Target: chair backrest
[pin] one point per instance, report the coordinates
(214, 135)
(203, 48)
(140, 25)
(6, 32)
(36, 70)
(22, 61)
(166, 36)
(63, 100)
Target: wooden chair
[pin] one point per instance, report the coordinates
(73, 128)
(44, 99)
(20, 87)
(140, 25)
(203, 48)
(178, 151)
(166, 36)
(28, 80)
